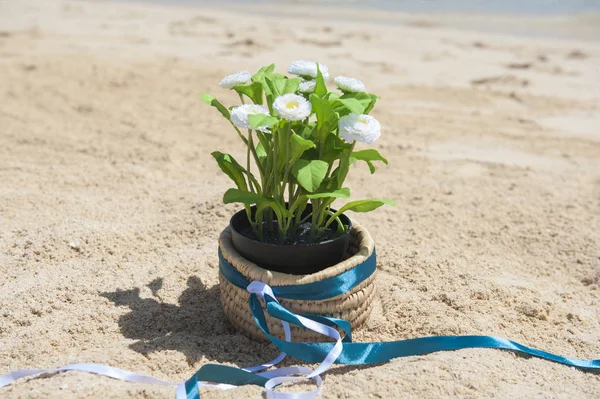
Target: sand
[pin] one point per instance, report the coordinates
(110, 203)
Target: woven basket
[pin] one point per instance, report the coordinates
(353, 306)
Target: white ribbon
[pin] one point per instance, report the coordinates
(107, 371)
(261, 291)
(280, 376)
(180, 392)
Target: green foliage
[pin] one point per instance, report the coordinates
(231, 168)
(341, 193)
(260, 120)
(310, 174)
(366, 205)
(262, 72)
(353, 105)
(326, 117)
(368, 156)
(253, 91)
(211, 100)
(374, 99)
(320, 88)
(261, 152)
(247, 198)
(295, 162)
(342, 170)
(298, 146)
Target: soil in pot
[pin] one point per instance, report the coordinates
(295, 256)
(302, 237)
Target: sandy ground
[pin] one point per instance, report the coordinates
(110, 204)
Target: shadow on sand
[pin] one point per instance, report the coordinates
(196, 327)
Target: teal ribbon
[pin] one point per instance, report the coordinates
(220, 374)
(353, 353)
(359, 353)
(317, 291)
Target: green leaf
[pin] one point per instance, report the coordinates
(334, 148)
(374, 99)
(254, 91)
(342, 170)
(371, 167)
(326, 118)
(279, 207)
(367, 102)
(368, 156)
(280, 85)
(231, 168)
(366, 205)
(207, 98)
(291, 85)
(332, 96)
(262, 72)
(298, 146)
(262, 120)
(362, 97)
(211, 100)
(353, 105)
(341, 193)
(270, 97)
(276, 85)
(261, 153)
(245, 197)
(264, 146)
(308, 131)
(269, 93)
(310, 174)
(320, 88)
(275, 75)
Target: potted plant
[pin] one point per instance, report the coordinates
(300, 140)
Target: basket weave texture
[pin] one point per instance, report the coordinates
(353, 306)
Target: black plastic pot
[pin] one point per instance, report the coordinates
(290, 259)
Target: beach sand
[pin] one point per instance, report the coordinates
(110, 203)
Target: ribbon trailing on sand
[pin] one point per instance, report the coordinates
(341, 351)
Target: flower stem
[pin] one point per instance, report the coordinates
(286, 174)
(251, 180)
(275, 164)
(290, 194)
(245, 140)
(261, 170)
(351, 148)
(314, 220)
(248, 155)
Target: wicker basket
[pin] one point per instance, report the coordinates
(353, 306)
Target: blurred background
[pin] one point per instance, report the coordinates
(531, 7)
(556, 18)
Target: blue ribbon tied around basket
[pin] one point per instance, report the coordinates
(341, 350)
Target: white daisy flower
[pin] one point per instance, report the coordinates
(308, 69)
(307, 86)
(238, 78)
(362, 128)
(349, 85)
(239, 115)
(292, 107)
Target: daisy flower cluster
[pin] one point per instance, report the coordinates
(300, 140)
